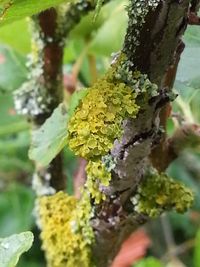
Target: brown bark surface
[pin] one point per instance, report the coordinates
(158, 38)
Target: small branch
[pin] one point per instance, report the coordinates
(193, 19)
(169, 238)
(187, 136)
(178, 250)
(158, 154)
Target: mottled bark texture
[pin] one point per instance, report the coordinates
(150, 46)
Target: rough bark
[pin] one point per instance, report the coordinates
(151, 48)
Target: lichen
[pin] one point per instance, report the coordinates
(97, 121)
(158, 193)
(97, 175)
(66, 232)
(41, 184)
(32, 98)
(138, 82)
(137, 11)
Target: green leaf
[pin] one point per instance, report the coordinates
(114, 28)
(11, 10)
(12, 68)
(148, 262)
(9, 35)
(189, 64)
(188, 67)
(50, 138)
(12, 247)
(87, 27)
(197, 250)
(192, 36)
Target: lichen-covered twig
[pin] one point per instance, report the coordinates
(117, 146)
(149, 46)
(42, 93)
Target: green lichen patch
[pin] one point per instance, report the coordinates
(97, 175)
(66, 232)
(158, 193)
(139, 82)
(137, 12)
(97, 120)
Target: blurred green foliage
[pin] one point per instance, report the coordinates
(148, 262)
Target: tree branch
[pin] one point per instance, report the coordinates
(152, 38)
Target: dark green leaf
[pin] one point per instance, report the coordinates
(110, 35)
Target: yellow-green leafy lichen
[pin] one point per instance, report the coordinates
(66, 232)
(158, 193)
(97, 121)
(97, 175)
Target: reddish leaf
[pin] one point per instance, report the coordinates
(133, 249)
